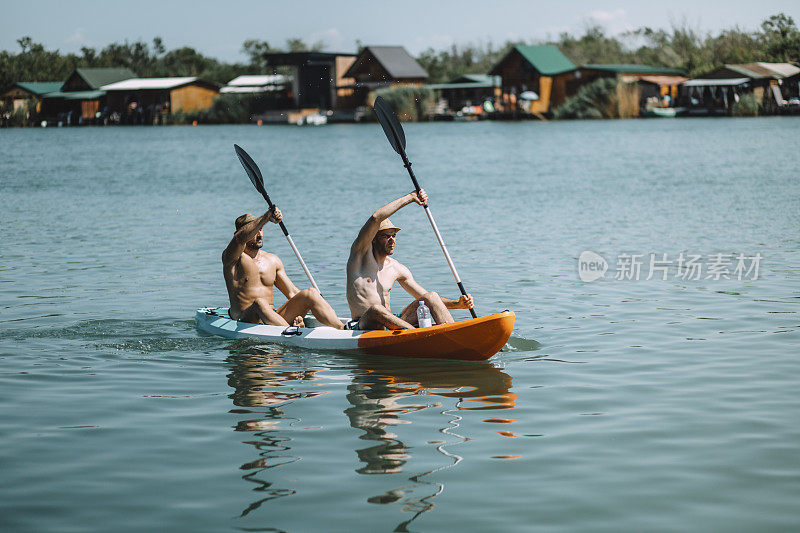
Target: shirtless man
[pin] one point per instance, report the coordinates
(371, 274)
(250, 274)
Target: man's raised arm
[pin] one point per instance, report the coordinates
(370, 228)
(246, 233)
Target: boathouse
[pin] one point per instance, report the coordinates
(534, 80)
(657, 93)
(28, 95)
(377, 67)
(641, 88)
(772, 84)
(468, 94)
(149, 100)
(81, 97)
(311, 84)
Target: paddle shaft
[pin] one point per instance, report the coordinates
(291, 243)
(407, 164)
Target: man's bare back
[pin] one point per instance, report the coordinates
(250, 273)
(371, 274)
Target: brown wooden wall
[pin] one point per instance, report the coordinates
(192, 98)
(342, 64)
(76, 83)
(518, 75)
(89, 108)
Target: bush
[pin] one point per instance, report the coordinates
(747, 106)
(594, 100)
(411, 104)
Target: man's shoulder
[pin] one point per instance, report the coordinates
(394, 263)
(268, 257)
(399, 268)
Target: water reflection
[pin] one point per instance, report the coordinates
(262, 378)
(377, 393)
(383, 394)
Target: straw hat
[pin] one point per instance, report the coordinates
(387, 224)
(244, 219)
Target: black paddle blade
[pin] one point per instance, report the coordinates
(390, 124)
(251, 168)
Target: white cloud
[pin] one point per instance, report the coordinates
(614, 21)
(607, 16)
(77, 37)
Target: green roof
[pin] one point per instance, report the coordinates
(97, 77)
(76, 95)
(39, 87)
(547, 59)
(476, 78)
(469, 81)
(634, 69)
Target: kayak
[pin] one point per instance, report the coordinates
(476, 339)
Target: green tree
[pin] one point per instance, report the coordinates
(782, 38)
(296, 44)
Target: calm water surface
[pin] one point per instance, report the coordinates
(618, 405)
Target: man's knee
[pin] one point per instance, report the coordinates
(431, 297)
(310, 294)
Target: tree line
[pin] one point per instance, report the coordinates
(776, 40)
(35, 63)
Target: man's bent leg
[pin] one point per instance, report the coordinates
(439, 311)
(310, 300)
(378, 317)
(260, 312)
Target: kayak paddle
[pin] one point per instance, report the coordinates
(258, 181)
(394, 132)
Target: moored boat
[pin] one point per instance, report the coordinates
(475, 339)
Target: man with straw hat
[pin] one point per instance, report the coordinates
(250, 274)
(371, 274)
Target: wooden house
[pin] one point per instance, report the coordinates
(772, 85)
(468, 91)
(312, 82)
(148, 100)
(27, 95)
(657, 92)
(641, 87)
(377, 67)
(81, 97)
(534, 80)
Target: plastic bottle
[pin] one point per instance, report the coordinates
(424, 315)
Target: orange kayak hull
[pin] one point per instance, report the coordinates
(476, 339)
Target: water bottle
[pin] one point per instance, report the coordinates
(424, 315)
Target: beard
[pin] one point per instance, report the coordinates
(255, 244)
(383, 250)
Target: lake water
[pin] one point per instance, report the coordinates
(619, 404)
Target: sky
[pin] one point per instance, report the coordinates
(219, 28)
